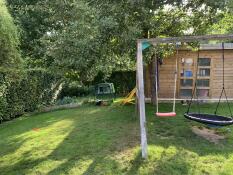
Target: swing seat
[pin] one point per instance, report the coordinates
(165, 114)
(209, 119)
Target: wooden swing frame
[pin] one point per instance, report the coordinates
(140, 105)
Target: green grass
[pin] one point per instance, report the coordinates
(106, 140)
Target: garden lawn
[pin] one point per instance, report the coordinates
(106, 140)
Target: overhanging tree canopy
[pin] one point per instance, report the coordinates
(86, 37)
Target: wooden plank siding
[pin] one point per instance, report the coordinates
(216, 84)
(166, 73)
(166, 78)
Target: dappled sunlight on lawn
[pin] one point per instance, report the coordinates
(81, 166)
(37, 144)
(45, 165)
(93, 111)
(78, 140)
(164, 160)
(106, 140)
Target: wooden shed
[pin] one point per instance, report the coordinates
(209, 77)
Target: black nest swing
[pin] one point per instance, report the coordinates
(210, 119)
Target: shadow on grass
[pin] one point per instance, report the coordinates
(10, 138)
(178, 132)
(106, 131)
(175, 133)
(94, 136)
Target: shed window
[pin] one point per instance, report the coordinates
(186, 92)
(203, 83)
(203, 92)
(188, 76)
(186, 82)
(204, 72)
(204, 62)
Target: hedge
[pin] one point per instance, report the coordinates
(26, 94)
(124, 82)
(9, 40)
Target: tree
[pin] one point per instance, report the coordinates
(82, 38)
(225, 24)
(9, 41)
(10, 59)
(31, 17)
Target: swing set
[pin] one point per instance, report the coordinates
(210, 119)
(213, 119)
(173, 113)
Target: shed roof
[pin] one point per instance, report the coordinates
(227, 46)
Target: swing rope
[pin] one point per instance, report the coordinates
(174, 92)
(195, 85)
(210, 119)
(223, 83)
(156, 86)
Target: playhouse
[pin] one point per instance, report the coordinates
(209, 76)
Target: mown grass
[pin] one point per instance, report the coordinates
(106, 140)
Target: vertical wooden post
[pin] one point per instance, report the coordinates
(136, 98)
(141, 100)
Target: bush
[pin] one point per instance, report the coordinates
(9, 40)
(10, 60)
(34, 89)
(74, 89)
(3, 103)
(65, 100)
(124, 81)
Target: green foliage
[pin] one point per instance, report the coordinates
(79, 39)
(74, 89)
(31, 17)
(33, 89)
(75, 100)
(124, 81)
(10, 60)
(65, 100)
(3, 103)
(225, 25)
(9, 54)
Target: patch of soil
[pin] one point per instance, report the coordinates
(208, 134)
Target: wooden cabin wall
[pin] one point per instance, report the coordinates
(166, 73)
(166, 79)
(216, 79)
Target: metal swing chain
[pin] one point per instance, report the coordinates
(223, 83)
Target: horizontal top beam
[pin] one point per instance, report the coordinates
(188, 38)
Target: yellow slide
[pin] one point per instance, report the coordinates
(129, 98)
